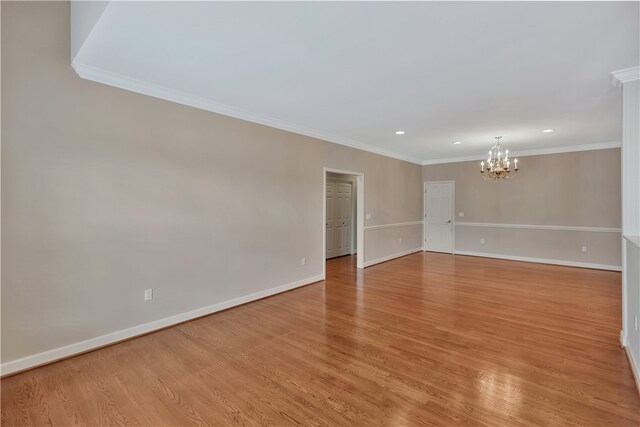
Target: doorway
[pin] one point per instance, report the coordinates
(343, 215)
(439, 230)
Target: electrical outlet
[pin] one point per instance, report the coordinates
(482, 241)
(584, 249)
(400, 241)
(461, 214)
(303, 261)
(635, 322)
(368, 216)
(148, 294)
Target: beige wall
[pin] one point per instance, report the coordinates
(107, 192)
(382, 242)
(580, 189)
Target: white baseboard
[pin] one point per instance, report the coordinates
(390, 257)
(50, 356)
(635, 370)
(543, 261)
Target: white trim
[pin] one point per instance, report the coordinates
(354, 232)
(95, 74)
(623, 339)
(424, 218)
(543, 261)
(113, 337)
(453, 215)
(540, 227)
(633, 239)
(121, 81)
(397, 224)
(534, 152)
(635, 370)
(359, 212)
(390, 257)
(623, 76)
(625, 327)
(630, 180)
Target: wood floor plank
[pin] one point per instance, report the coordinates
(427, 339)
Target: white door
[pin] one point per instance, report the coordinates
(438, 221)
(339, 218)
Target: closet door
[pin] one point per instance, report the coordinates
(339, 219)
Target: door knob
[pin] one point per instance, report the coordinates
(449, 222)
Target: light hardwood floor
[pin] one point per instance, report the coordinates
(428, 339)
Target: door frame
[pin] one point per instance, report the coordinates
(453, 214)
(359, 215)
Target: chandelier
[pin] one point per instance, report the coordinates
(498, 164)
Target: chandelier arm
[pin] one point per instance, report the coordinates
(498, 164)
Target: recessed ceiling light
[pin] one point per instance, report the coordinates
(548, 130)
(456, 142)
(399, 132)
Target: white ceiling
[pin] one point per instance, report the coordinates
(355, 72)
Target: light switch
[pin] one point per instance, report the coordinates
(461, 214)
(368, 216)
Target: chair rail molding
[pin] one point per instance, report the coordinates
(540, 227)
(626, 75)
(395, 225)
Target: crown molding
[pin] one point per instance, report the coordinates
(618, 78)
(99, 75)
(534, 152)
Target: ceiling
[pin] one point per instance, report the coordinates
(356, 72)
